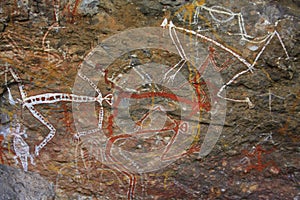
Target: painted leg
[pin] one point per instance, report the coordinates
(43, 120)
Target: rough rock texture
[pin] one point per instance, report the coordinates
(15, 184)
(256, 156)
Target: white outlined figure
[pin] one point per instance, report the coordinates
(21, 148)
(143, 86)
(21, 48)
(29, 102)
(173, 28)
(250, 66)
(197, 7)
(231, 16)
(180, 51)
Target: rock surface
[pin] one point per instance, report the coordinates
(256, 156)
(15, 184)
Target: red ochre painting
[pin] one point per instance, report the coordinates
(149, 99)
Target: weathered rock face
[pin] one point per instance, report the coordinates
(15, 184)
(46, 42)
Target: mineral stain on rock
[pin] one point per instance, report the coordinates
(254, 158)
